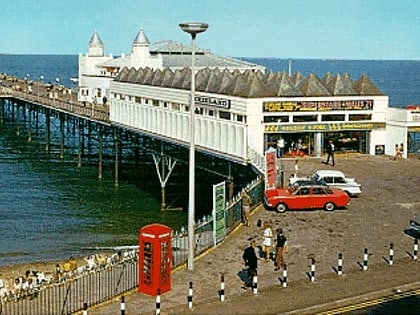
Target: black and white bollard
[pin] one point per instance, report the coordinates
(222, 288)
(365, 259)
(122, 307)
(415, 248)
(284, 283)
(340, 264)
(391, 254)
(255, 283)
(190, 295)
(312, 270)
(85, 309)
(158, 302)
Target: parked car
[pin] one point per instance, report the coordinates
(305, 197)
(333, 178)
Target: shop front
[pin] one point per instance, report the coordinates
(312, 139)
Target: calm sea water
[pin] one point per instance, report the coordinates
(50, 210)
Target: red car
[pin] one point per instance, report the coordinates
(305, 197)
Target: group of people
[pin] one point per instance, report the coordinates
(272, 249)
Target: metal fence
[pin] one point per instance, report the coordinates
(88, 288)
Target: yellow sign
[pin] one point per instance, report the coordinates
(327, 127)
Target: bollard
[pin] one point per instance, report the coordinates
(85, 307)
(190, 295)
(284, 283)
(340, 264)
(222, 288)
(122, 305)
(312, 270)
(365, 260)
(255, 283)
(416, 248)
(391, 254)
(158, 302)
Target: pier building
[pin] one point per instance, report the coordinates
(239, 115)
(97, 70)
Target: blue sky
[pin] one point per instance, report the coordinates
(344, 29)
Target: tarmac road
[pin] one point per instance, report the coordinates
(377, 218)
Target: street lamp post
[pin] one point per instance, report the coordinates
(193, 29)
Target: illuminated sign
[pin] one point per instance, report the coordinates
(293, 106)
(212, 101)
(323, 127)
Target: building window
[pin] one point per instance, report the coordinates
(137, 99)
(165, 104)
(360, 117)
(224, 115)
(240, 118)
(155, 103)
(275, 119)
(211, 112)
(175, 106)
(333, 117)
(199, 110)
(305, 118)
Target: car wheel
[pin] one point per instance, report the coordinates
(281, 207)
(329, 206)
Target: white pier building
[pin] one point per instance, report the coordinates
(240, 110)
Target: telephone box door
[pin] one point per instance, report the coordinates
(155, 257)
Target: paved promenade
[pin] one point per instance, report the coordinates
(372, 221)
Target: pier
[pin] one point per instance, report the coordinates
(93, 135)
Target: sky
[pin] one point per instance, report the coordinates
(342, 29)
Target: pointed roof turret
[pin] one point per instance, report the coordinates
(141, 39)
(95, 40)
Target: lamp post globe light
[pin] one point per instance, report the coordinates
(192, 28)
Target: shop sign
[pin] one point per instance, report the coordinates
(293, 106)
(270, 168)
(219, 201)
(323, 127)
(413, 129)
(212, 101)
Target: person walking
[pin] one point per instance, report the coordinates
(267, 240)
(330, 151)
(251, 262)
(281, 245)
(246, 205)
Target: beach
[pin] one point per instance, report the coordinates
(372, 221)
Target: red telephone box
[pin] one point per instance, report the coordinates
(155, 257)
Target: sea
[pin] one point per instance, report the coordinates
(50, 210)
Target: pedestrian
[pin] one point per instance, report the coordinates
(280, 147)
(246, 205)
(296, 168)
(251, 263)
(267, 240)
(330, 151)
(401, 149)
(281, 245)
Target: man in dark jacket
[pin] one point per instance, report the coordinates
(251, 261)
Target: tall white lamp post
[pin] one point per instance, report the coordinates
(192, 28)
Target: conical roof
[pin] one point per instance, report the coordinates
(365, 87)
(341, 85)
(141, 39)
(312, 86)
(250, 84)
(95, 40)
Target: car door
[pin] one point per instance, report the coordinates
(301, 198)
(318, 197)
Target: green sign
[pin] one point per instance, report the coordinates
(219, 202)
